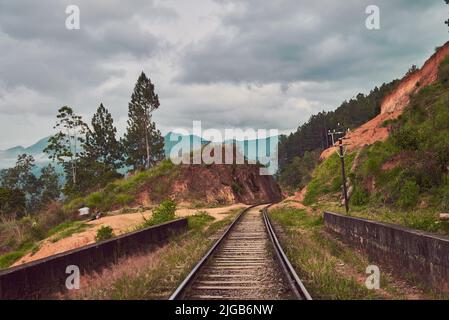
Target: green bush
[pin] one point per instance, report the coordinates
(163, 213)
(337, 184)
(199, 220)
(104, 233)
(406, 138)
(409, 194)
(443, 74)
(122, 192)
(360, 197)
(8, 259)
(95, 200)
(74, 204)
(123, 199)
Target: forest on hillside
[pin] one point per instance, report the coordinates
(404, 179)
(299, 152)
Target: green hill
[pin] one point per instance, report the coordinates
(404, 179)
(298, 151)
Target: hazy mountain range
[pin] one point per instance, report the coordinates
(8, 157)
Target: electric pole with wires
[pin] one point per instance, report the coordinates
(341, 151)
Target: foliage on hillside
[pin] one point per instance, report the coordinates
(165, 212)
(123, 192)
(409, 170)
(299, 172)
(19, 236)
(313, 134)
(327, 178)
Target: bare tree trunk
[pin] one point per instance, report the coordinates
(148, 150)
(74, 173)
(72, 157)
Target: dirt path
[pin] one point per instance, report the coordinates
(122, 223)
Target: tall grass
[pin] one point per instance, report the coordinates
(329, 269)
(123, 192)
(155, 275)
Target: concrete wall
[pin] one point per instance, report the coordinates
(409, 252)
(39, 278)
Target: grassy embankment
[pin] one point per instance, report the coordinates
(329, 269)
(403, 180)
(156, 275)
(21, 236)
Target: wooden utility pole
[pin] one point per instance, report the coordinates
(343, 173)
(341, 153)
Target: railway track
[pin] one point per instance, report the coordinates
(246, 263)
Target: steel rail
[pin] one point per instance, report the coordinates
(296, 285)
(178, 292)
(294, 281)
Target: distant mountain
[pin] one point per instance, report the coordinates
(8, 157)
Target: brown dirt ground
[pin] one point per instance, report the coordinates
(121, 224)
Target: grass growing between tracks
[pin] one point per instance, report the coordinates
(329, 269)
(155, 275)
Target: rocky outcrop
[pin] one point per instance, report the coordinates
(219, 185)
(223, 184)
(394, 104)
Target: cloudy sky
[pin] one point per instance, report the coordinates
(228, 63)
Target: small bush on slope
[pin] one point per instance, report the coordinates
(163, 213)
(104, 233)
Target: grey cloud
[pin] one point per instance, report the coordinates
(268, 64)
(299, 40)
(39, 53)
(53, 66)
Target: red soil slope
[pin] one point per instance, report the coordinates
(217, 185)
(394, 104)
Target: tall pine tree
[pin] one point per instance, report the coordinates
(101, 143)
(143, 142)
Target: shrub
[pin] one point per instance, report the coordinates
(409, 194)
(406, 139)
(123, 199)
(104, 233)
(360, 197)
(74, 204)
(199, 220)
(95, 200)
(8, 259)
(443, 74)
(163, 213)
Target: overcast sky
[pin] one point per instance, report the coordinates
(229, 63)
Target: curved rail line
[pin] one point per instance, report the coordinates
(246, 262)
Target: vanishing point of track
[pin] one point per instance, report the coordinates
(246, 263)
